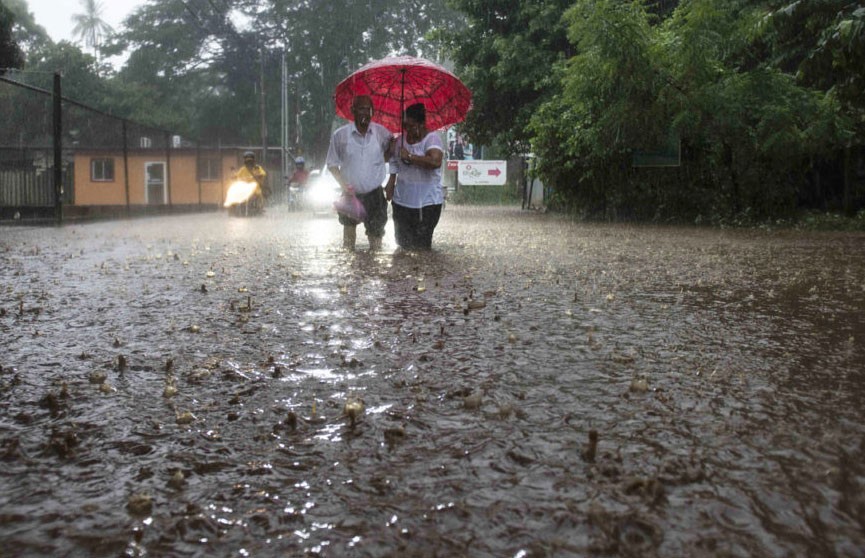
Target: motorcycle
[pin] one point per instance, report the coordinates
(244, 199)
(295, 196)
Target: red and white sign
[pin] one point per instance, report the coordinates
(453, 164)
(482, 173)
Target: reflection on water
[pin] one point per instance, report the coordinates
(531, 387)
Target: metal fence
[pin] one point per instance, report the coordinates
(43, 136)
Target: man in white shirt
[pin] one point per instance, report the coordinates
(357, 159)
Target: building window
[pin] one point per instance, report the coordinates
(208, 169)
(102, 170)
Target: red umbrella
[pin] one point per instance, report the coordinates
(401, 81)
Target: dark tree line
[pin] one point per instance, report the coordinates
(10, 54)
(763, 97)
(206, 68)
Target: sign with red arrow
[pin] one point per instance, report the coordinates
(489, 173)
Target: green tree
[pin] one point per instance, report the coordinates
(822, 43)
(90, 27)
(748, 131)
(206, 70)
(508, 54)
(25, 31)
(10, 53)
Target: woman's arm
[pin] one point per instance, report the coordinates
(432, 159)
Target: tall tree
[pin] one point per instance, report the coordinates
(197, 56)
(25, 31)
(507, 55)
(10, 53)
(823, 45)
(90, 27)
(747, 129)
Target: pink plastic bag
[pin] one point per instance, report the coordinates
(350, 206)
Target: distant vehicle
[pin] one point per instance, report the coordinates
(321, 191)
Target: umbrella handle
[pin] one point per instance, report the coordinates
(402, 101)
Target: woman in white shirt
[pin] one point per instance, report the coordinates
(415, 190)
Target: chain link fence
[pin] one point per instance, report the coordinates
(62, 160)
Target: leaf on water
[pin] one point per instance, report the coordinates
(639, 385)
(140, 504)
(473, 401)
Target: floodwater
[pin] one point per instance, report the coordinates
(214, 386)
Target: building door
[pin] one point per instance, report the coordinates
(155, 187)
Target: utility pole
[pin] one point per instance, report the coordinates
(284, 123)
(263, 114)
(58, 147)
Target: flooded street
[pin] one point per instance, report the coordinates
(203, 385)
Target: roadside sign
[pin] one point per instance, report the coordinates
(478, 173)
(453, 164)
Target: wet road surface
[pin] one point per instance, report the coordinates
(214, 386)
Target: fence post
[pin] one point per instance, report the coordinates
(126, 167)
(58, 147)
(167, 176)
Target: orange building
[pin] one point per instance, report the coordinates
(151, 177)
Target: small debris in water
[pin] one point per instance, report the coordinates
(473, 401)
(394, 435)
(353, 409)
(177, 480)
(591, 449)
(639, 385)
(291, 420)
(140, 503)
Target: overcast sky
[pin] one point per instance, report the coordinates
(56, 15)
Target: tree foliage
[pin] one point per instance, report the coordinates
(209, 64)
(90, 26)
(507, 55)
(10, 53)
(709, 74)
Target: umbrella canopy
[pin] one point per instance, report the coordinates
(401, 81)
